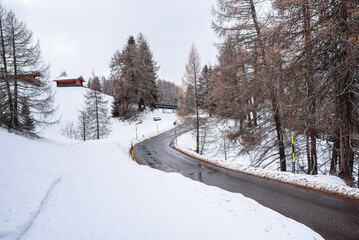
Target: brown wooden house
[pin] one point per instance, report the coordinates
(66, 81)
(31, 78)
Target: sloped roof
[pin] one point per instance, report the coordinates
(69, 78)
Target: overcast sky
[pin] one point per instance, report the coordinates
(80, 36)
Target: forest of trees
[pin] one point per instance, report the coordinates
(26, 98)
(133, 76)
(107, 86)
(167, 91)
(293, 70)
(100, 84)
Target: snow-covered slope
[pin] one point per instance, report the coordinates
(58, 188)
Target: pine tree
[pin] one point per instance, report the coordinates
(89, 83)
(182, 106)
(115, 108)
(27, 121)
(147, 72)
(299, 18)
(204, 87)
(339, 72)
(133, 77)
(248, 30)
(190, 79)
(63, 74)
(190, 100)
(124, 79)
(24, 76)
(97, 110)
(94, 83)
(9, 104)
(83, 127)
(294, 70)
(107, 86)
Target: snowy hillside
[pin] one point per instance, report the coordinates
(59, 188)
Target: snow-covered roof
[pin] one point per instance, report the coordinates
(64, 78)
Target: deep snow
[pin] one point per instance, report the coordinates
(59, 188)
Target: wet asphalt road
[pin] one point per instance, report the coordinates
(330, 216)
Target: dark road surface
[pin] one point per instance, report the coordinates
(330, 216)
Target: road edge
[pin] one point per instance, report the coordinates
(333, 193)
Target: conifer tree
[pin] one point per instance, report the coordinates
(204, 87)
(124, 79)
(190, 80)
(24, 76)
(83, 127)
(106, 86)
(147, 71)
(94, 83)
(27, 121)
(248, 30)
(97, 111)
(133, 77)
(294, 70)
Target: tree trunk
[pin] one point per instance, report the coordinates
(11, 105)
(309, 78)
(197, 114)
(278, 126)
(84, 129)
(254, 112)
(347, 153)
(313, 147)
(277, 119)
(16, 115)
(309, 160)
(249, 115)
(97, 120)
(334, 161)
(342, 160)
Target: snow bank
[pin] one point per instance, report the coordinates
(326, 183)
(57, 188)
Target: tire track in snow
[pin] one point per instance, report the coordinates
(29, 224)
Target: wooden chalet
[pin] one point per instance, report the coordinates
(31, 78)
(66, 81)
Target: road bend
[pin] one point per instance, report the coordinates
(330, 216)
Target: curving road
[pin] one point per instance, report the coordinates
(330, 216)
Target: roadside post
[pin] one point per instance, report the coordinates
(157, 127)
(176, 133)
(136, 130)
(197, 140)
(133, 156)
(224, 148)
(293, 153)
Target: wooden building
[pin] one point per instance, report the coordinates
(31, 78)
(66, 81)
